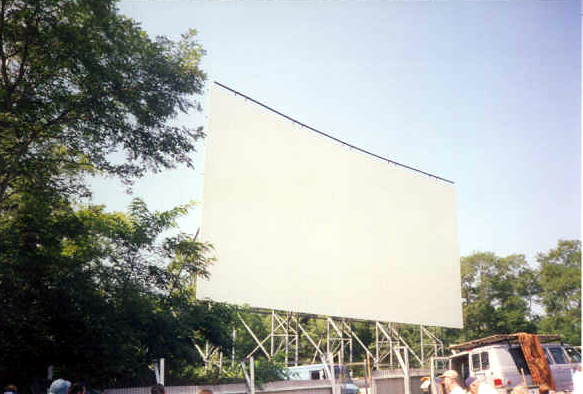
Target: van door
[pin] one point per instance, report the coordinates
(480, 363)
(461, 364)
(561, 368)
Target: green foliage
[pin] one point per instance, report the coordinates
(86, 285)
(494, 293)
(265, 371)
(79, 82)
(96, 294)
(560, 279)
(500, 295)
(269, 370)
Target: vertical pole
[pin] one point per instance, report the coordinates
(297, 355)
(233, 348)
(249, 377)
(341, 358)
(332, 374)
(391, 345)
(368, 371)
(376, 361)
(206, 356)
(252, 373)
(407, 378)
(162, 370)
(432, 388)
(364, 369)
(350, 343)
(157, 371)
(422, 346)
(272, 351)
(404, 366)
(328, 336)
(287, 339)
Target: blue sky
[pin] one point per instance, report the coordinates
(484, 93)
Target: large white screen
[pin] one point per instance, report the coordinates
(303, 223)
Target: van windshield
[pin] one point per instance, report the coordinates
(519, 360)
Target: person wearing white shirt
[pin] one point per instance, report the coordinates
(578, 381)
(450, 382)
(476, 386)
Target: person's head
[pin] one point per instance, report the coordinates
(158, 388)
(59, 386)
(472, 383)
(543, 389)
(76, 388)
(519, 390)
(205, 391)
(449, 379)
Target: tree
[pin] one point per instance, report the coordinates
(495, 295)
(81, 286)
(79, 82)
(560, 278)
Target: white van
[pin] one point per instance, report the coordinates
(499, 361)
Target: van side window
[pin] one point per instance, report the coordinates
(480, 361)
(558, 355)
(485, 360)
(573, 354)
(476, 362)
(519, 360)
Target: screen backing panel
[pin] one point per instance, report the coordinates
(303, 223)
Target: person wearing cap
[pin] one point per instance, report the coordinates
(59, 386)
(450, 382)
(476, 386)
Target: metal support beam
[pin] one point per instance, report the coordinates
(330, 373)
(316, 347)
(404, 366)
(286, 331)
(397, 337)
(257, 341)
(159, 371)
(340, 339)
(435, 345)
(249, 377)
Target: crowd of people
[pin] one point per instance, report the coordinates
(450, 382)
(58, 386)
(62, 386)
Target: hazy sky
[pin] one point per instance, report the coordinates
(484, 93)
